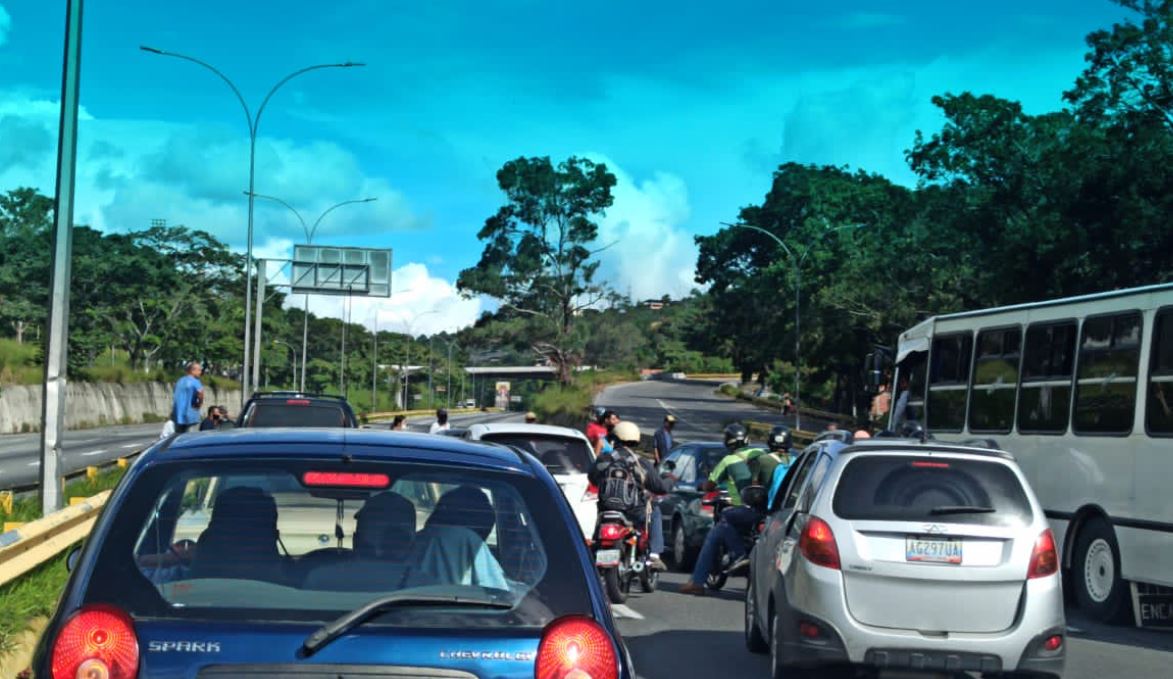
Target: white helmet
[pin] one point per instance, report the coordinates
(627, 432)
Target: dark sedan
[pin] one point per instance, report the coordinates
(686, 520)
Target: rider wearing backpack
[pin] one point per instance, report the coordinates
(626, 480)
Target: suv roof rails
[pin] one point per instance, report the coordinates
(972, 446)
(303, 394)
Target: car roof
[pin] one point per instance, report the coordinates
(483, 428)
(276, 395)
(310, 442)
(917, 446)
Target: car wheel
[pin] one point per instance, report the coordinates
(1099, 589)
(754, 641)
(777, 671)
(682, 556)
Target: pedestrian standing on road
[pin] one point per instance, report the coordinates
(441, 423)
(188, 398)
(788, 404)
(662, 441)
(531, 418)
(880, 405)
(399, 423)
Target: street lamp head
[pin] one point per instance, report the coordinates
(368, 200)
(152, 50)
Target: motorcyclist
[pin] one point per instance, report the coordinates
(598, 431)
(777, 460)
(738, 470)
(627, 438)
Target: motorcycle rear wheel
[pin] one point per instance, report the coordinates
(614, 586)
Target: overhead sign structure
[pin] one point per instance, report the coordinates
(331, 270)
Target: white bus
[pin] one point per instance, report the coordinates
(1080, 390)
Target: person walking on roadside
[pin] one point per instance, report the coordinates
(441, 423)
(188, 398)
(662, 440)
(212, 421)
(399, 423)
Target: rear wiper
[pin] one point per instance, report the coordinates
(960, 509)
(332, 630)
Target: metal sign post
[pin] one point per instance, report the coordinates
(57, 346)
(262, 281)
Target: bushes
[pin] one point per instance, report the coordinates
(565, 406)
(19, 363)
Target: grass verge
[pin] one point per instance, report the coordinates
(35, 593)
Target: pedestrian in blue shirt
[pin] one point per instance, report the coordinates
(189, 397)
(662, 441)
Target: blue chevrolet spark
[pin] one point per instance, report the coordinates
(333, 553)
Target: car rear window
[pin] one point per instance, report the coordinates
(559, 454)
(303, 540)
(931, 488)
(283, 414)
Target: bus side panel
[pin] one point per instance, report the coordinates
(1146, 555)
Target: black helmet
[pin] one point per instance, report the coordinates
(911, 429)
(597, 413)
(780, 439)
(735, 436)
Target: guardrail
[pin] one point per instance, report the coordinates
(32, 544)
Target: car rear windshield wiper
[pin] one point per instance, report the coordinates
(332, 630)
(960, 509)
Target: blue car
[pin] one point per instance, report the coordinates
(315, 553)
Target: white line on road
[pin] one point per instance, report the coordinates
(131, 445)
(623, 611)
(36, 463)
(93, 452)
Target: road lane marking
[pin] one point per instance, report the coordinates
(131, 445)
(624, 611)
(93, 452)
(36, 463)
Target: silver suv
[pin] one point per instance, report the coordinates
(906, 555)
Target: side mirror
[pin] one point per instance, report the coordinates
(71, 559)
(755, 497)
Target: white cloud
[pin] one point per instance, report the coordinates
(133, 171)
(5, 25)
(653, 254)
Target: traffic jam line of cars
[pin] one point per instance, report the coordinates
(342, 552)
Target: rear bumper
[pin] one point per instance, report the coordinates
(816, 596)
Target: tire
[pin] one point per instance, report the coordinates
(615, 590)
(683, 557)
(1095, 573)
(777, 669)
(715, 581)
(649, 580)
(755, 642)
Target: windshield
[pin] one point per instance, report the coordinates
(285, 540)
(281, 414)
(937, 489)
(560, 454)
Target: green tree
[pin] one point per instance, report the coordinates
(537, 258)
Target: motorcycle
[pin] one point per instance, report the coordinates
(621, 556)
(727, 565)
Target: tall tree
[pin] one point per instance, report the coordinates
(537, 258)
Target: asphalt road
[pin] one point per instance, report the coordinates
(673, 635)
(677, 635)
(700, 412)
(20, 456)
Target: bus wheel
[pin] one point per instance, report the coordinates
(1095, 572)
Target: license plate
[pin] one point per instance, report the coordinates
(607, 557)
(932, 550)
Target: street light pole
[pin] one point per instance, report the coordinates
(797, 303)
(309, 239)
(253, 122)
(407, 364)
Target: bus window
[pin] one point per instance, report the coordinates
(948, 381)
(995, 381)
(1044, 400)
(1159, 405)
(1105, 392)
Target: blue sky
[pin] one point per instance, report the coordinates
(691, 104)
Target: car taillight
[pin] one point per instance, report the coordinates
(99, 643)
(1053, 643)
(1044, 559)
(591, 494)
(817, 544)
(612, 531)
(576, 648)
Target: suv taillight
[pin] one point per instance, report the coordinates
(1044, 559)
(98, 641)
(576, 648)
(817, 544)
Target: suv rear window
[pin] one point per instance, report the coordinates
(931, 488)
(266, 541)
(283, 414)
(559, 454)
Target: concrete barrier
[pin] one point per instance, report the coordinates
(94, 404)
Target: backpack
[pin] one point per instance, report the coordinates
(621, 488)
